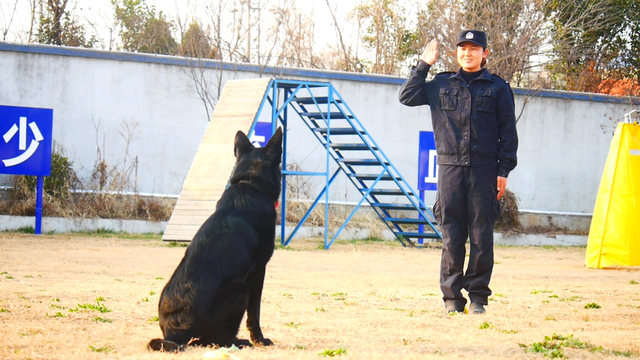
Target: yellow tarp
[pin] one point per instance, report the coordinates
(614, 237)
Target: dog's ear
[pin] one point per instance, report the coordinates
(274, 146)
(242, 145)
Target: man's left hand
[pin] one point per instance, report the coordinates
(502, 186)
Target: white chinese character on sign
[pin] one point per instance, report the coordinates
(256, 139)
(22, 141)
(432, 174)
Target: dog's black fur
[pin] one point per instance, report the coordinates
(222, 272)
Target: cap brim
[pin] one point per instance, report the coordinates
(471, 41)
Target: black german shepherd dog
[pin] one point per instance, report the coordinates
(222, 272)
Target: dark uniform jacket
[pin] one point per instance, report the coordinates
(474, 124)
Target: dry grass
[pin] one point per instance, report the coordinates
(376, 300)
(362, 219)
(91, 205)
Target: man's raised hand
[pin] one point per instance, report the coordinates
(430, 53)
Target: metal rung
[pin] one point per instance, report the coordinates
(362, 162)
(406, 221)
(353, 147)
(318, 99)
(323, 115)
(385, 177)
(419, 235)
(395, 206)
(395, 192)
(339, 131)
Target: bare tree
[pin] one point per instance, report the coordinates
(34, 5)
(594, 40)
(516, 31)
(10, 11)
(387, 34)
(143, 29)
(345, 60)
(292, 34)
(519, 33)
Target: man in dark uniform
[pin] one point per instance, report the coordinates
(474, 125)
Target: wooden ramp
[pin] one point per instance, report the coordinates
(209, 173)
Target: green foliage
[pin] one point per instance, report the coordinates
(153, 319)
(534, 292)
(30, 333)
(339, 296)
(552, 347)
(333, 352)
(102, 320)
(143, 29)
(485, 325)
(592, 306)
(26, 230)
(293, 325)
(174, 244)
(104, 349)
(548, 348)
(58, 185)
(104, 232)
(95, 307)
(387, 34)
(58, 27)
(595, 39)
(196, 43)
(283, 247)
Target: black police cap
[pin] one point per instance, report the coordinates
(475, 36)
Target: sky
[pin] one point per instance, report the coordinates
(98, 16)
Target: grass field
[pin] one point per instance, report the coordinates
(95, 297)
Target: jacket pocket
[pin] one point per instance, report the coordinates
(437, 213)
(448, 98)
(486, 100)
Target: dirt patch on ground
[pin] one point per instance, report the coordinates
(78, 297)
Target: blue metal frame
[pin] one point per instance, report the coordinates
(333, 101)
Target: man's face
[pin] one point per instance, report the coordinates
(470, 56)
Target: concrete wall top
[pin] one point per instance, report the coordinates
(280, 71)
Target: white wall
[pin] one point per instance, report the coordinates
(95, 94)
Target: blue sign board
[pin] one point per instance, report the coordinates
(261, 133)
(25, 140)
(427, 162)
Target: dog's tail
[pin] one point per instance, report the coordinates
(164, 345)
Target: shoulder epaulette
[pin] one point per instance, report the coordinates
(498, 76)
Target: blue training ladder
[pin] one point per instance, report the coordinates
(349, 144)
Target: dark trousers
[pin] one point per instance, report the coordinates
(466, 207)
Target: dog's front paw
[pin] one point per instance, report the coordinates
(263, 342)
